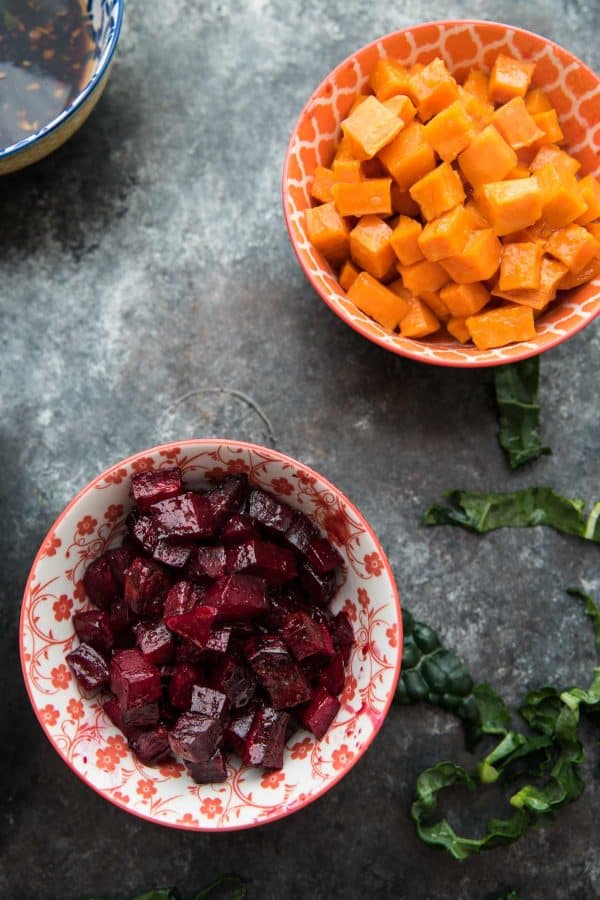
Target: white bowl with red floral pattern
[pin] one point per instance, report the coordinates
(90, 744)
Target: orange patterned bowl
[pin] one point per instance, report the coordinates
(573, 89)
(97, 752)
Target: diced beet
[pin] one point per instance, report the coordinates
(186, 652)
(93, 628)
(236, 731)
(274, 516)
(238, 528)
(227, 497)
(237, 597)
(182, 597)
(333, 676)
(100, 584)
(168, 714)
(185, 517)
(144, 531)
(277, 671)
(134, 681)
(89, 667)
(266, 739)
(342, 634)
(150, 487)
(194, 625)
(122, 620)
(145, 580)
(320, 588)
(305, 637)
(234, 680)
(195, 738)
(322, 615)
(174, 555)
(282, 601)
(209, 702)
(155, 642)
(318, 715)
(209, 772)
(207, 562)
(301, 532)
(256, 557)
(215, 649)
(113, 711)
(141, 716)
(182, 682)
(152, 747)
(322, 556)
(119, 560)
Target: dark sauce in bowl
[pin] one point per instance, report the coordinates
(46, 58)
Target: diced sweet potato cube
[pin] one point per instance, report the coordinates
(438, 191)
(548, 122)
(419, 321)
(594, 229)
(549, 153)
(477, 261)
(536, 101)
(477, 84)
(348, 275)
(435, 303)
(589, 189)
(403, 203)
(572, 280)
(434, 88)
(322, 183)
(457, 327)
(377, 301)
(520, 266)
(389, 78)
(519, 171)
(499, 327)
(343, 150)
(409, 156)
(562, 201)
(360, 98)
(370, 246)
(450, 131)
(551, 273)
(511, 205)
(404, 240)
(464, 299)
(371, 196)
(515, 124)
(328, 232)
(509, 78)
(369, 128)
(475, 218)
(487, 158)
(347, 170)
(446, 235)
(479, 111)
(423, 276)
(401, 106)
(574, 246)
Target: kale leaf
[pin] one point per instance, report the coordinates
(516, 395)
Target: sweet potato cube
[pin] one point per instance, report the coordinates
(477, 84)
(475, 218)
(343, 150)
(133, 680)
(548, 122)
(562, 201)
(450, 131)
(479, 111)
(536, 101)
(511, 205)
(594, 229)
(509, 78)
(328, 232)
(377, 301)
(434, 88)
(519, 171)
(435, 303)
(419, 321)
(360, 98)
(464, 299)
(572, 280)
(403, 203)
(550, 153)
(150, 487)
(457, 327)
(409, 156)
(520, 266)
(499, 327)
(369, 128)
(389, 78)
(401, 106)
(348, 275)
(348, 171)
(446, 235)
(477, 261)
(589, 190)
(438, 191)
(487, 158)
(404, 240)
(574, 246)
(515, 124)
(323, 180)
(423, 276)
(320, 712)
(551, 274)
(371, 196)
(370, 246)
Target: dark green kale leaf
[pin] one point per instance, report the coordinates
(516, 395)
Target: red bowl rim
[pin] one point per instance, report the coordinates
(280, 457)
(471, 362)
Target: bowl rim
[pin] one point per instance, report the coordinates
(99, 72)
(280, 457)
(470, 362)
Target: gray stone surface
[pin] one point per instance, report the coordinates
(147, 277)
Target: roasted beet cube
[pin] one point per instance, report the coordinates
(277, 671)
(238, 528)
(318, 715)
(145, 581)
(119, 559)
(122, 620)
(113, 711)
(174, 555)
(141, 716)
(282, 601)
(305, 637)
(227, 497)
(168, 713)
(89, 667)
(151, 747)
(320, 588)
(342, 634)
(236, 731)
(209, 702)
(301, 532)
(237, 597)
(100, 584)
(322, 556)
(195, 738)
(274, 516)
(207, 562)
(143, 530)
(93, 628)
(182, 597)
(194, 625)
(333, 675)
(234, 680)
(186, 652)
(185, 517)
(134, 681)
(150, 487)
(215, 649)
(266, 739)
(256, 557)
(181, 685)
(209, 772)
(155, 642)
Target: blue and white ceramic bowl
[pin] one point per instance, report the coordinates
(105, 20)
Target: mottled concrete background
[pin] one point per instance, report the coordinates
(148, 261)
